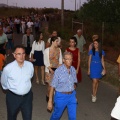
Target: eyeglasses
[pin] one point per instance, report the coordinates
(19, 54)
(68, 59)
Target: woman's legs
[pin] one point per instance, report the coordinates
(36, 74)
(94, 89)
(43, 74)
(48, 91)
(95, 86)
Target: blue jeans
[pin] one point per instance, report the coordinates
(61, 102)
(15, 103)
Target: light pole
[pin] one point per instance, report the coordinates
(7, 3)
(79, 4)
(75, 5)
(62, 13)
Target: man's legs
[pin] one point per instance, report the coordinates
(26, 107)
(72, 106)
(13, 104)
(60, 104)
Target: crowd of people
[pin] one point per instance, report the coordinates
(60, 72)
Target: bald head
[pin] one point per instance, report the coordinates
(79, 32)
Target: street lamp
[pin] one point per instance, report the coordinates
(62, 13)
(7, 3)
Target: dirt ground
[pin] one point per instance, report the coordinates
(111, 54)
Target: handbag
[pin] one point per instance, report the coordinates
(103, 73)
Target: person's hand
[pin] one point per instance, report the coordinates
(103, 72)
(51, 71)
(88, 72)
(76, 71)
(30, 59)
(50, 106)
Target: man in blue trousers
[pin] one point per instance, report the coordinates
(63, 84)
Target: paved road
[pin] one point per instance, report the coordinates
(86, 110)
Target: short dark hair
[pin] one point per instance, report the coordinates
(18, 46)
(75, 40)
(53, 39)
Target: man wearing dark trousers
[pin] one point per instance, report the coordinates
(16, 79)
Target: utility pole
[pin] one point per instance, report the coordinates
(62, 13)
(7, 3)
(75, 5)
(79, 4)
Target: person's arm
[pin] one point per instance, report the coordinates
(4, 79)
(103, 64)
(89, 61)
(47, 45)
(32, 51)
(119, 70)
(53, 85)
(60, 58)
(32, 38)
(78, 65)
(47, 61)
(50, 102)
(43, 47)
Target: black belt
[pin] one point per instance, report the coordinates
(67, 92)
(19, 95)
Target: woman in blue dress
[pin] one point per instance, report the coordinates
(96, 66)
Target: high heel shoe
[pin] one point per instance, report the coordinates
(43, 83)
(37, 81)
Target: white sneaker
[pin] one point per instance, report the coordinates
(94, 98)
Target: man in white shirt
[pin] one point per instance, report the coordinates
(30, 24)
(80, 40)
(17, 22)
(16, 79)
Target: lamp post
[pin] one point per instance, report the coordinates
(7, 3)
(75, 5)
(62, 13)
(79, 4)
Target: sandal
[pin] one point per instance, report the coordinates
(37, 81)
